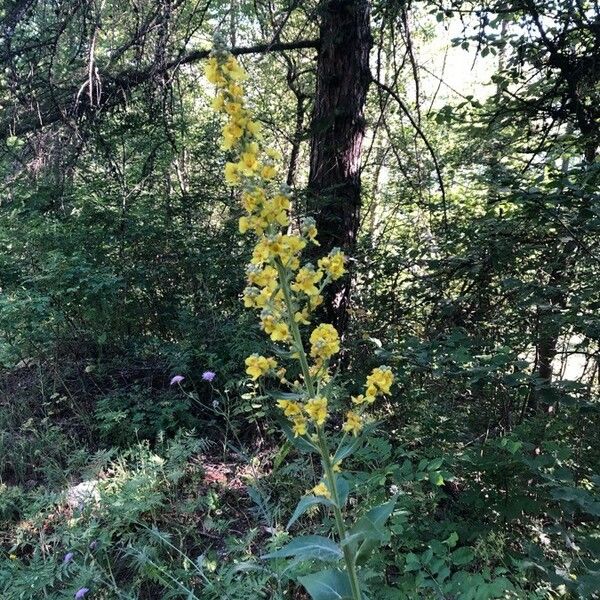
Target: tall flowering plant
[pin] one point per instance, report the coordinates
(285, 293)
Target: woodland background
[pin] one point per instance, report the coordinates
(450, 148)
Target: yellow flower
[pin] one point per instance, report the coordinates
(231, 174)
(250, 297)
(333, 264)
(280, 333)
(232, 132)
(218, 102)
(274, 154)
(233, 108)
(311, 234)
(212, 71)
(316, 409)
(257, 365)
(315, 301)
(302, 317)
(237, 91)
(380, 381)
(12, 556)
(264, 278)
(337, 465)
(306, 279)
(243, 225)
(299, 427)
(290, 408)
(309, 229)
(353, 423)
(324, 341)
(234, 69)
(248, 162)
(268, 172)
(360, 399)
(321, 490)
(275, 210)
(253, 128)
(251, 201)
(261, 252)
(277, 330)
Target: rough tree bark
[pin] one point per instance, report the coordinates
(338, 128)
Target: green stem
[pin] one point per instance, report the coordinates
(323, 446)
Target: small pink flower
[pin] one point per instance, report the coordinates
(177, 379)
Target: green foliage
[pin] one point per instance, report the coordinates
(120, 266)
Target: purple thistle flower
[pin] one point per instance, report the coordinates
(208, 375)
(177, 379)
(68, 558)
(80, 593)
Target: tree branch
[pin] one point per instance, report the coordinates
(116, 87)
(420, 133)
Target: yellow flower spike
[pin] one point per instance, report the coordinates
(321, 490)
(324, 341)
(353, 423)
(316, 409)
(336, 464)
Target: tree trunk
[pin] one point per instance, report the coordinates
(338, 128)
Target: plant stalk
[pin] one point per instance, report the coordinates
(322, 446)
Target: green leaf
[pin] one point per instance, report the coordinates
(331, 584)
(436, 478)
(345, 450)
(370, 530)
(305, 503)
(308, 547)
(462, 556)
(285, 395)
(343, 490)
(435, 464)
